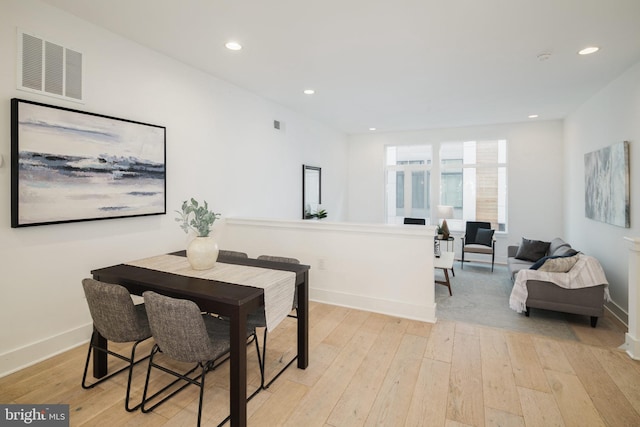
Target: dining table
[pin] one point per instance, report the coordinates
(232, 300)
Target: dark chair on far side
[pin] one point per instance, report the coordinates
(231, 254)
(415, 221)
(478, 239)
(257, 319)
(224, 252)
(117, 319)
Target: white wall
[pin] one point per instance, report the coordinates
(611, 116)
(535, 176)
(350, 263)
(221, 146)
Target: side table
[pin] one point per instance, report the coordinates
(445, 263)
(448, 239)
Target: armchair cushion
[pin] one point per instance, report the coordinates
(478, 249)
(532, 250)
(484, 236)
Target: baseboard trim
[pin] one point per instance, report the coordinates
(631, 346)
(23, 357)
(616, 311)
(423, 313)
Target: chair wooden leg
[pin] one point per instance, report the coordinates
(448, 283)
(493, 254)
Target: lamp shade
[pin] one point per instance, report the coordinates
(445, 212)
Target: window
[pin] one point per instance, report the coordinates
(408, 182)
(471, 175)
(473, 179)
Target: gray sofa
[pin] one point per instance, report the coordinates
(587, 301)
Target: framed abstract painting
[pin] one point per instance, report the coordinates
(70, 165)
(606, 185)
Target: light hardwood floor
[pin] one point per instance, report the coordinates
(370, 369)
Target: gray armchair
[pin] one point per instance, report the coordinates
(478, 239)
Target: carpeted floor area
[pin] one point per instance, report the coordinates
(482, 297)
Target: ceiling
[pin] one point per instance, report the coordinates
(392, 64)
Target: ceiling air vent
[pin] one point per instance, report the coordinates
(49, 68)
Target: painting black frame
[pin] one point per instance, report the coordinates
(56, 186)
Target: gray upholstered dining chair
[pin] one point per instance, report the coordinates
(224, 252)
(258, 319)
(478, 239)
(279, 259)
(117, 319)
(186, 335)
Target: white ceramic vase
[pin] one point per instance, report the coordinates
(202, 253)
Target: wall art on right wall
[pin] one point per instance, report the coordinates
(606, 185)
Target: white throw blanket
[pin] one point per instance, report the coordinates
(279, 286)
(587, 272)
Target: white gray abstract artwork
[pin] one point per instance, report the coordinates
(606, 196)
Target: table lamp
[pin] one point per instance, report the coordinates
(444, 213)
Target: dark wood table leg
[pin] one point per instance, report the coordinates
(100, 367)
(303, 323)
(447, 282)
(238, 368)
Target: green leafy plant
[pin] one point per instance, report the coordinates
(196, 217)
(319, 214)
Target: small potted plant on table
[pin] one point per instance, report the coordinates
(202, 252)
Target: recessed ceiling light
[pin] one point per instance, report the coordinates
(372, 128)
(233, 45)
(588, 50)
(309, 91)
(533, 116)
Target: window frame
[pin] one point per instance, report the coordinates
(409, 167)
(457, 224)
(436, 168)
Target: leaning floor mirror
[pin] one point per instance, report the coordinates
(311, 191)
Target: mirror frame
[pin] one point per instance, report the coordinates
(308, 180)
